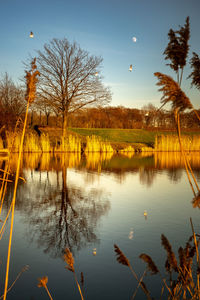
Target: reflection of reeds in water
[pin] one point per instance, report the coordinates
(96, 144)
(175, 159)
(171, 143)
(69, 160)
(127, 154)
(46, 161)
(94, 160)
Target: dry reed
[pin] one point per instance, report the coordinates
(184, 285)
(69, 259)
(31, 80)
(42, 282)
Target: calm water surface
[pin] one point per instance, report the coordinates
(89, 204)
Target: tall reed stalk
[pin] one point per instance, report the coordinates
(13, 202)
(31, 80)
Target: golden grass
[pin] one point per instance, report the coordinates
(128, 149)
(171, 143)
(96, 144)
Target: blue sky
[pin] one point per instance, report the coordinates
(105, 28)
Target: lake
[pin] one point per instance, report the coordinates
(88, 204)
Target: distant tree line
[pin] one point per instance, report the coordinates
(12, 108)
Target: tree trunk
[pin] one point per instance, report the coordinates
(64, 128)
(47, 115)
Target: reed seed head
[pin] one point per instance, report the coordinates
(42, 282)
(121, 258)
(170, 254)
(31, 81)
(172, 92)
(68, 258)
(150, 263)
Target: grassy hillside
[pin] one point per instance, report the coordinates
(119, 135)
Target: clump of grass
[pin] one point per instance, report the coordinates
(171, 143)
(128, 149)
(13, 140)
(96, 144)
(69, 143)
(45, 143)
(32, 143)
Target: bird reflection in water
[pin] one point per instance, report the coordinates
(130, 236)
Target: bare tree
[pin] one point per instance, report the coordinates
(12, 102)
(68, 78)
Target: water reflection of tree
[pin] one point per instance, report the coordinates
(147, 175)
(62, 215)
(174, 174)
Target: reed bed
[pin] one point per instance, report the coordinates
(32, 143)
(147, 149)
(45, 143)
(128, 149)
(13, 140)
(171, 143)
(96, 144)
(71, 143)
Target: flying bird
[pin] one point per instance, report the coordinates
(134, 39)
(130, 68)
(31, 35)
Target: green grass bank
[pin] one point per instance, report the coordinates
(101, 140)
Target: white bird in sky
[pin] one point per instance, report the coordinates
(134, 39)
